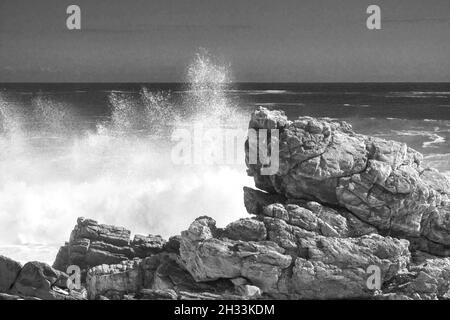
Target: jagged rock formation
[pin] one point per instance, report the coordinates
(382, 183)
(427, 280)
(331, 252)
(291, 262)
(339, 205)
(291, 251)
(92, 244)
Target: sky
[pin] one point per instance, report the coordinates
(262, 40)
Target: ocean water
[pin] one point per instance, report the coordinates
(105, 151)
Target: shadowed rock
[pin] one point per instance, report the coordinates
(9, 270)
(37, 279)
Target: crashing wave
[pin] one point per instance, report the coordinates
(117, 170)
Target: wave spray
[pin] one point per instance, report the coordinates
(119, 171)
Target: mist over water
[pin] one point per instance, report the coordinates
(55, 167)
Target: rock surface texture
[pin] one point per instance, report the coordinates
(382, 183)
(345, 217)
(92, 244)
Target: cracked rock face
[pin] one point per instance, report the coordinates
(119, 278)
(92, 244)
(382, 183)
(295, 260)
(209, 258)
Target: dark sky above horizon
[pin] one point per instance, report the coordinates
(262, 40)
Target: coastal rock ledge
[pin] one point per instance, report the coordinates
(340, 206)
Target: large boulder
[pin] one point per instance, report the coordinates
(9, 270)
(38, 279)
(208, 258)
(380, 182)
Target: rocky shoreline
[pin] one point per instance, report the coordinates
(340, 204)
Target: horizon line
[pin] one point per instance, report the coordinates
(229, 83)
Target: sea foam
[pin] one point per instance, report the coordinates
(120, 172)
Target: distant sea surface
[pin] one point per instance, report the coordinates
(57, 163)
(415, 113)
